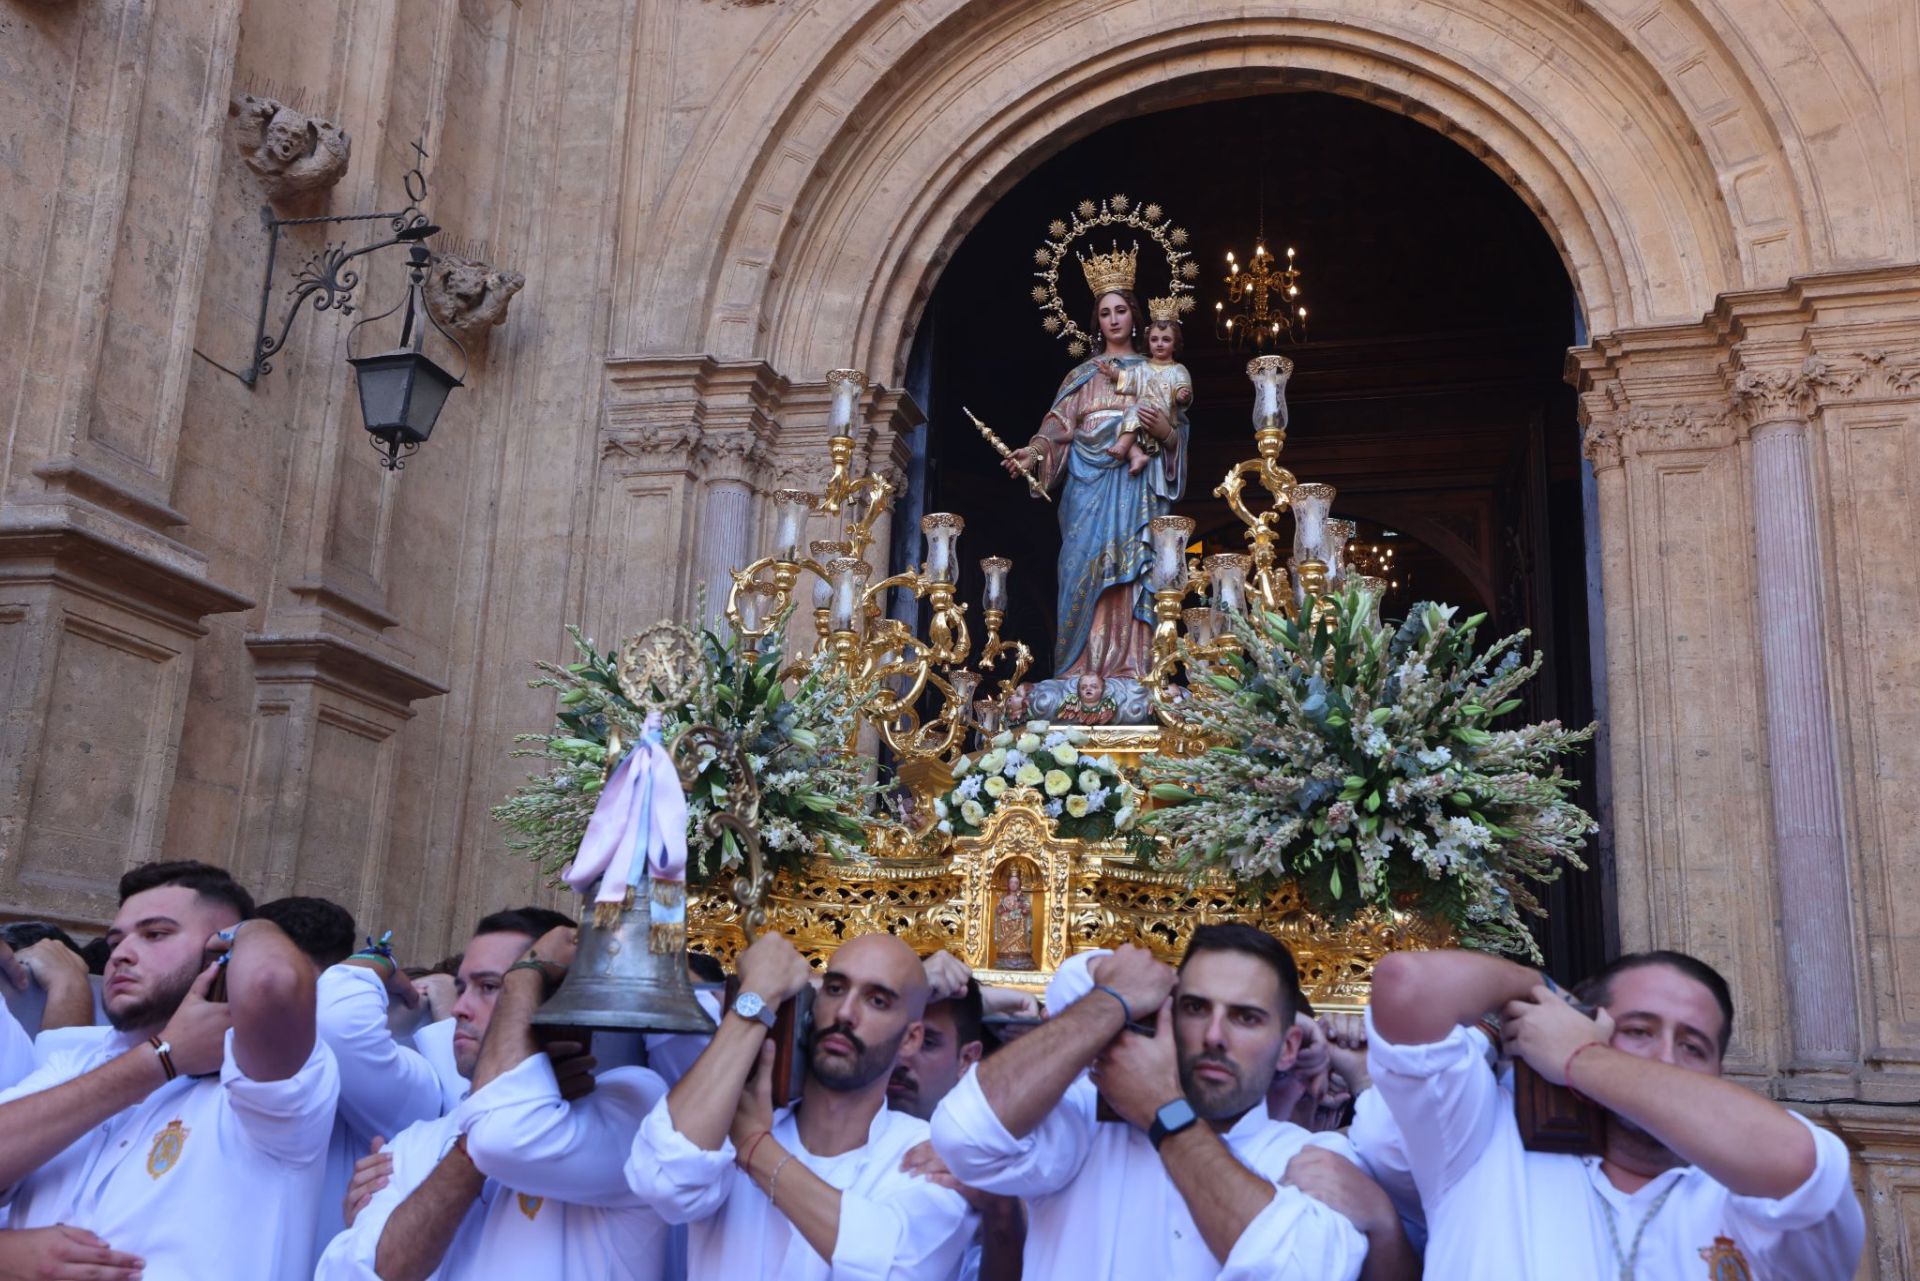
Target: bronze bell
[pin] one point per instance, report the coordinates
(618, 982)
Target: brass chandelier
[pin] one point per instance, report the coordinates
(1264, 296)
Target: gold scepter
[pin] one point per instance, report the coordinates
(1000, 447)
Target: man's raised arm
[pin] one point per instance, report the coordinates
(271, 992)
(1420, 997)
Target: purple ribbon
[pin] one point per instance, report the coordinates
(639, 825)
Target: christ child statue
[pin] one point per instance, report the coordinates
(1162, 381)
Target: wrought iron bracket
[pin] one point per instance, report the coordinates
(327, 279)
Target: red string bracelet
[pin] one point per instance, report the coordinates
(747, 1161)
(1566, 1072)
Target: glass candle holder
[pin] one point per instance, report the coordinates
(1269, 375)
(996, 569)
(791, 507)
(822, 553)
(845, 385)
(942, 530)
(1311, 502)
(1375, 591)
(1168, 536)
(986, 714)
(754, 603)
(1291, 584)
(848, 574)
(964, 683)
(1203, 624)
(1228, 570)
(1339, 536)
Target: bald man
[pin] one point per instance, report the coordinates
(813, 1191)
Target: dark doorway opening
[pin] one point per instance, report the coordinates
(1428, 388)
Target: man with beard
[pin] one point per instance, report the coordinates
(191, 1133)
(1698, 1175)
(815, 1190)
(526, 1177)
(1195, 1180)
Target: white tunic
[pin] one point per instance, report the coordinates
(1102, 1207)
(1495, 1209)
(384, 1086)
(893, 1226)
(202, 1178)
(16, 1050)
(555, 1204)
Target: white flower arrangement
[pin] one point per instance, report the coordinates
(1361, 761)
(1087, 797)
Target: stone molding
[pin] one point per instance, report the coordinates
(339, 665)
(96, 553)
(694, 415)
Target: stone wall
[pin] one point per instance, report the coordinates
(229, 634)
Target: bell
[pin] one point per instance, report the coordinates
(619, 983)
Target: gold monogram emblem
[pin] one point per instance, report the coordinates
(1725, 1262)
(167, 1146)
(529, 1205)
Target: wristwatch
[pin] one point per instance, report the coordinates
(1169, 1121)
(751, 1005)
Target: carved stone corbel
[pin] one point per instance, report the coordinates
(293, 153)
(467, 297)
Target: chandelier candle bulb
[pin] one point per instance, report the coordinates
(1269, 375)
(1311, 502)
(964, 683)
(996, 569)
(791, 507)
(1203, 624)
(848, 574)
(1339, 534)
(846, 386)
(1228, 570)
(1169, 536)
(942, 530)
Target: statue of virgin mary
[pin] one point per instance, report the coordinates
(1105, 610)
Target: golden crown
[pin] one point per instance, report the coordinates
(1163, 311)
(1106, 273)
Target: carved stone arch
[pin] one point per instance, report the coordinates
(831, 226)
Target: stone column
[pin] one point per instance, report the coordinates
(726, 543)
(1802, 742)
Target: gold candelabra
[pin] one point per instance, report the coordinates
(891, 667)
(1227, 581)
(1265, 298)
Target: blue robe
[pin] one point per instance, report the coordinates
(1103, 510)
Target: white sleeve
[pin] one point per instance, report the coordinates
(351, 1255)
(907, 1229)
(1445, 1100)
(1296, 1236)
(1382, 1153)
(384, 1086)
(291, 1120)
(982, 1153)
(522, 1134)
(1816, 1230)
(16, 1051)
(681, 1182)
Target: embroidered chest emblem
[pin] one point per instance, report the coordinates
(1725, 1262)
(529, 1205)
(167, 1146)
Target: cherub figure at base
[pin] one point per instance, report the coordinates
(1162, 381)
(1090, 705)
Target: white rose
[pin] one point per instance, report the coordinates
(939, 809)
(1001, 739)
(995, 786)
(1028, 743)
(1089, 781)
(1124, 819)
(962, 766)
(1077, 806)
(971, 811)
(1066, 756)
(1029, 775)
(1037, 727)
(992, 761)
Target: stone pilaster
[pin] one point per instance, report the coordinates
(1802, 742)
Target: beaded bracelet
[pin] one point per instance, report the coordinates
(773, 1180)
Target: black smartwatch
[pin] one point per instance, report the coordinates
(1169, 1121)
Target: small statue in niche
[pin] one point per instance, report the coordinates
(292, 152)
(469, 297)
(1013, 924)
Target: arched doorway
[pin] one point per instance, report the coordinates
(1429, 388)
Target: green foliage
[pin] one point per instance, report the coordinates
(814, 794)
(1362, 761)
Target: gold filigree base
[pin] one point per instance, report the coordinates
(1082, 895)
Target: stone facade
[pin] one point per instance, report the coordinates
(231, 635)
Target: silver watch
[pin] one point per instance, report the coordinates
(751, 1005)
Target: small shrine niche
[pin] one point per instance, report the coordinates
(1019, 907)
